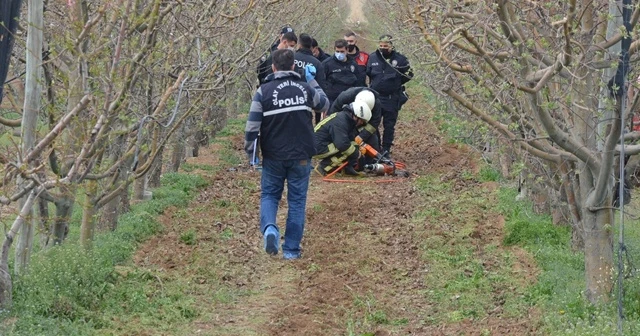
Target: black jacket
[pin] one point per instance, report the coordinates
(340, 76)
(304, 57)
(264, 68)
(281, 113)
(348, 97)
(322, 56)
(387, 76)
(361, 58)
(338, 129)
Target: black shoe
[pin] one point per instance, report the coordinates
(349, 170)
(320, 170)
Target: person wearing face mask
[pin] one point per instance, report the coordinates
(340, 71)
(288, 40)
(359, 56)
(388, 71)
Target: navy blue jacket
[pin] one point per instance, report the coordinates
(338, 129)
(304, 57)
(322, 56)
(340, 76)
(387, 76)
(281, 113)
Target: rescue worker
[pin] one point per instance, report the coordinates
(304, 57)
(288, 40)
(369, 131)
(360, 57)
(334, 139)
(388, 71)
(318, 52)
(340, 72)
(281, 114)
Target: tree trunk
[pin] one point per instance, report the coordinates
(43, 217)
(156, 170)
(64, 208)
(178, 153)
(598, 254)
(88, 216)
(139, 188)
(30, 119)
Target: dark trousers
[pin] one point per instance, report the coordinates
(390, 110)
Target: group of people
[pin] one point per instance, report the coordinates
(351, 93)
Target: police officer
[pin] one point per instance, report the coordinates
(388, 71)
(281, 113)
(369, 131)
(340, 71)
(318, 52)
(304, 57)
(288, 40)
(360, 57)
(334, 137)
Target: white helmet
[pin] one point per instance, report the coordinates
(366, 97)
(361, 110)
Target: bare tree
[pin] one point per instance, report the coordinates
(534, 72)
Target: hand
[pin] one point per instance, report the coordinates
(309, 72)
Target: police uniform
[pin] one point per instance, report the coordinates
(303, 57)
(387, 77)
(281, 113)
(361, 58)
(340, 76)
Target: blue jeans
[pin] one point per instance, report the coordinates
(274, 173)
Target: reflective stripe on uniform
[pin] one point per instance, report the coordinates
(287, 109)
(332, 150)
(324, 121)
(370, 128)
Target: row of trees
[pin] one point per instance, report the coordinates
(540, 75)
(106, 90)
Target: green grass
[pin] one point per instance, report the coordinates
(69, 291)
(464, 280)
(559, 289)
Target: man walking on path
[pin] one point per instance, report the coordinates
(281, 114)
(388, 71)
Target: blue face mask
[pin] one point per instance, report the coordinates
(340, 56)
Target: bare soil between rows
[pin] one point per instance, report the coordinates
(361, 242)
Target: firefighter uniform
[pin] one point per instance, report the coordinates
(340, 76)
(369, 131)
(334, 143)
(387, 75)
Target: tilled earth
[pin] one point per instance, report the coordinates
(362, 270)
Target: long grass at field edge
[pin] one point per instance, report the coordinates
(559, 290)
(68, 291)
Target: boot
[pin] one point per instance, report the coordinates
(349, 170)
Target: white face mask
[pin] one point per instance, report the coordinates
(292, 49)
(340, 56)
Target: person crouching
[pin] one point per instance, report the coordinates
(334, 138)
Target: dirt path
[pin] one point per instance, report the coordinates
(366, 269)
(356, 14)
